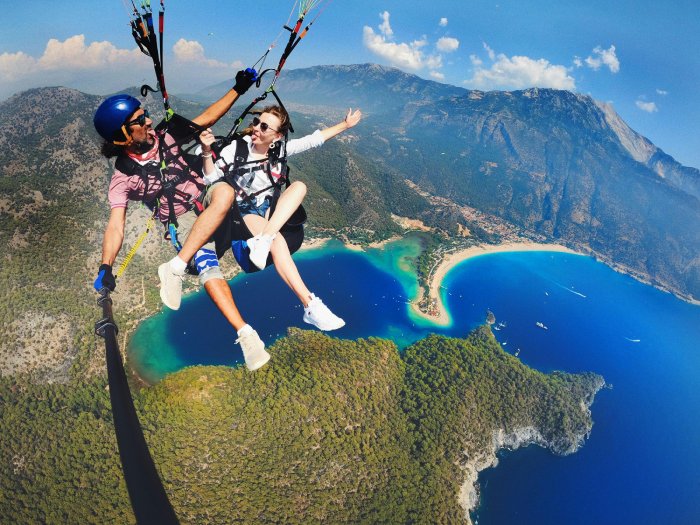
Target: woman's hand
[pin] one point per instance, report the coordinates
(207, 138)
(350, 120)
(353, 117)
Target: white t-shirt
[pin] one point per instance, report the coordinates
(257, 179)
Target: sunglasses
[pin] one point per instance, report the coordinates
(263, 125)
(141, 119)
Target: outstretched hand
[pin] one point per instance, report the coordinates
(353, 117)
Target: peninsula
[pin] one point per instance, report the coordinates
(331, 431)
(430, 306)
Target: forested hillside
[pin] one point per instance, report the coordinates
(331, 431)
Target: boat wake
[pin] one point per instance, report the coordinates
(569, 290)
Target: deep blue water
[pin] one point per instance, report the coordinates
(641, 463)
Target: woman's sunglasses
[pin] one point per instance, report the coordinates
(263, 126)
(141, 119)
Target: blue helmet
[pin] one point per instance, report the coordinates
(111, 116)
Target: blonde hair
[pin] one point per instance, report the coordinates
(278, 112)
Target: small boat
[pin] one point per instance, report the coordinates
(517, 352)
(541, 325)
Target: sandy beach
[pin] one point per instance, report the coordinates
(453, 259)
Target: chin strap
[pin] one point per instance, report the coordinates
(129, 138)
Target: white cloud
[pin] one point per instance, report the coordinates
(443, 22)
(69, 55)
(75, 55)
(15, 65)
(518, 72)
(412, 56)
(192, 51)
(491, 52)
(97, 67)
(385, 27)
(578, 62)
(649, 107)
(604, 57)
(101, 67)
(661, 92)
(433, 62)
(409, 56)
(447, 44)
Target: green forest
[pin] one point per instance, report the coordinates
(332, 431)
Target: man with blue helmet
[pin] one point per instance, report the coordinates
(151, 168)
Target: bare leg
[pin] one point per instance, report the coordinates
(207, 223)
(252, 346)
(288, 271)
(284, 264)
(220, 294)
(287, 204)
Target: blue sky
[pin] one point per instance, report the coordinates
(641, 56)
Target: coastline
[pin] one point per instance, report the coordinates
(520, 437)
(440, 316)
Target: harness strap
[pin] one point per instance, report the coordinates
(235, 170)
(169, 190)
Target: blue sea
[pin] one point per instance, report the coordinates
(641, 463)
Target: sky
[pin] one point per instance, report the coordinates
(643, 57)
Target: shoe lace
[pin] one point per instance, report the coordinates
(245, 339)
(320, 309)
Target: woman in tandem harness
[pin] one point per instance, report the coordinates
(255, 187)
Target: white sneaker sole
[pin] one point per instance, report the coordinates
(256, 259)
(163, 297)
(259, 363)
(324, 327)
(260, 265)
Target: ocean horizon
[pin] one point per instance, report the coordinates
(556, 311)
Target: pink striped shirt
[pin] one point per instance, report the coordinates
(124, 188)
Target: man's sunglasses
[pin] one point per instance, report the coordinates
(140, 120)
(263, 125)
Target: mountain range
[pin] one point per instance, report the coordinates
(554, 163)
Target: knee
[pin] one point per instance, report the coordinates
(279, 245)
(299, 187)
(223, 197)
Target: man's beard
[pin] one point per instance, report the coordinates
(144, 146)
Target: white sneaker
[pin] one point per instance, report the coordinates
(170, 286)
(259, 249)
(319, 315)
(253, 350)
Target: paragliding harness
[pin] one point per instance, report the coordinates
(176, 126)
(233, 232)
(184, 130)
(144, 33)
